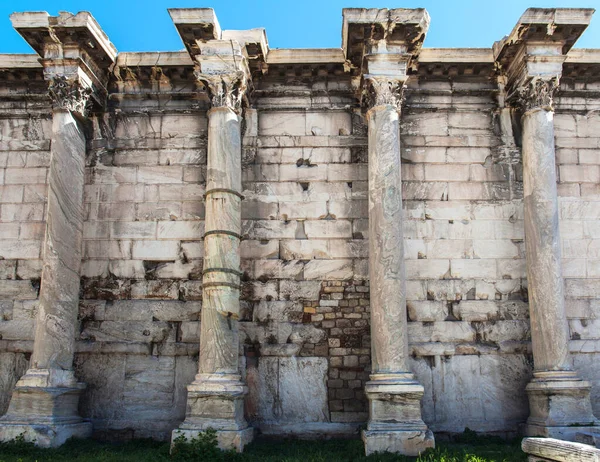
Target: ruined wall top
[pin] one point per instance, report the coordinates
(376, 44)
(76, 55)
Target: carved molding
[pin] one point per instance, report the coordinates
(383, 91)
(537, 93)
(225, 90)
(70, 94)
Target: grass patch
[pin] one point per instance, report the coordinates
(467, 448)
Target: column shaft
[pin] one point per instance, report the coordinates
(389, 342)
(559, 401)
(549, 328)
(219, 336)
(395, 423)
(43, 406)
(216, 397)
(59, 292)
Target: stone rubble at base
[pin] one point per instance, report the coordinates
(383, 234)
(555, 450)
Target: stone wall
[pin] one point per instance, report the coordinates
(578, 162)
(305, 333)
(24, 162)
(141, 285)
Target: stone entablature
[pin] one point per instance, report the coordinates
(334, 231)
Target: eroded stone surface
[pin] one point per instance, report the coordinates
(306, 301)
(550, 449)
(288, 390)
(394, 396)
(216, 396)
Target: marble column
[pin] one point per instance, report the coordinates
(395, 423)
(44, 403)
(216, 397)
(559, 401)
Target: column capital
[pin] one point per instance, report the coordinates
(381, 47)
(70, 94)
(225, 61)
(222, 68)
(383, 91)
(225, 90)
(368, 31)
(75, 53)
(536, 93)
(531, 57)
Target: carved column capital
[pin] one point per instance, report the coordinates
(225, 90)
(70, 94)
(383, 91)
(537, 93)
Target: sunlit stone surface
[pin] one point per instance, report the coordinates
(559, 401)
(300, 242)
(44, 404)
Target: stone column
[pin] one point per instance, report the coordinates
(395, 423)
(559, 401)
(44, 403)
(216, 397)
(531, 61)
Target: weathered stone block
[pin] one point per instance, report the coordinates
(444, 331)
(155, 250)
(180, 230)
(133, 230)
(328, 270)
(282, 123)
(425, 310)
(278, 269)
(296, 377)
(22, 249)
(299, 290)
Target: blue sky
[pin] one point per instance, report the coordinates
(137, 25)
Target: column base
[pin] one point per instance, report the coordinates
(216, 401)
(226, 439)
(46, 416)
(44, 435)
(409, 443)
(559, 405)
(395, 423)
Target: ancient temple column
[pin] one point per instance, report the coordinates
(544, 269)
(224, 62)
(559, 401)
(395, 423)
(531, 59)
(44, 404)
(382, 45)
(386, 250)
(216, 397)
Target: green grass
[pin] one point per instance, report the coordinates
(466, 448)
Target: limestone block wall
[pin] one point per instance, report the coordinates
(141, 285)
(305, 334)
(24, 162)
(578, 163)
(466, 288)
(308, 293)
(464, 249)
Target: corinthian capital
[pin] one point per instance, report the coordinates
(225, 90)
(69, 94)
(538, 92)
(383, 91)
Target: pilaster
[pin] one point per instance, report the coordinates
(381, 46)
(43, 406)
(531, 60)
